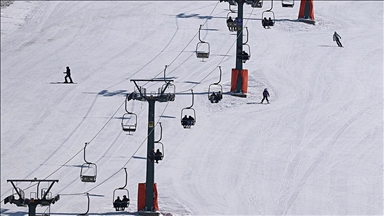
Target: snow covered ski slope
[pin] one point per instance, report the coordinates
(316, 149)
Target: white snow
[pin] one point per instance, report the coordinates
(317, 149)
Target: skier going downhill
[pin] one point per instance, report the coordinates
(265, 95)
(336, 37)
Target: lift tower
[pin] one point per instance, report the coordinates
(239, 80)
(151, 98)
(239, 48)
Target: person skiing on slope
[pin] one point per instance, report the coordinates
(265, 95)
(68, 75)
(337, 37)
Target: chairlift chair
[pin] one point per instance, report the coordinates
(88, 170)
(89, 204)
(156, 157)
(126, 122)
(168, 88)
(20, 201)
(121, 192)
(129, 127)
(231, 25)
(270, 20)
(287, 3)
(247, 55)
(215, 96)
(187, 123)
(202, 52)
(188, 120)
(255, 3)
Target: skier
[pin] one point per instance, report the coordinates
(117, 204)
(265, 95)
(265, 22)
(124, 202)
(68, 75)
(336, 37)
(158, 155)
(184, 121)
(151, 155)
(230, 24)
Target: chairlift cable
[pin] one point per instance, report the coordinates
(206, 20)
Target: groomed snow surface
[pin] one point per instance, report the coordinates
(316, 149)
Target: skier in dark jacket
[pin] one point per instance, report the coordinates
(68, 75)
(230, 24)
(151, 155)
(158, 155)
(265, 95)
(337, 37)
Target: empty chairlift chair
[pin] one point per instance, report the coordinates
(202, 48)
(88, 170)
(129, 119)
(255, 3)
(287, 3)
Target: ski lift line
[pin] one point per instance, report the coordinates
(123, 167)
(88, 143)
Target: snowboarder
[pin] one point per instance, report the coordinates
(68, 75)
(265, 95)
(336, 37)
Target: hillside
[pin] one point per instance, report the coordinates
(316, 149)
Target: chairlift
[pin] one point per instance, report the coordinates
(287, 3)
(168, 88)
(202, 52)
(89, 203)
(20, 201)
(188, 115)
(245, 55)
(231, 24)
(270, 21)
(128, 117)
(161, 155)
(215, 90)
(255, 3)
(88, 170)
(118, 204)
